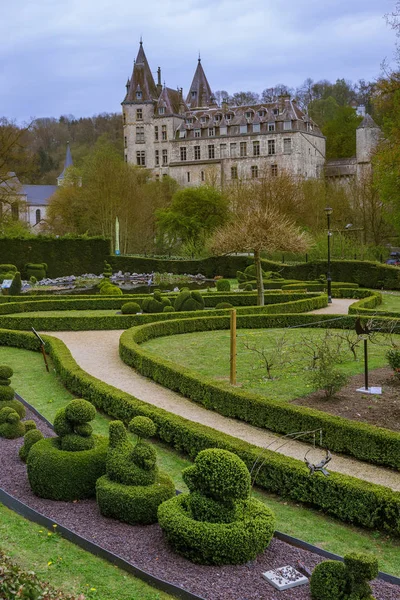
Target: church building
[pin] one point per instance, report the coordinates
(195, 140)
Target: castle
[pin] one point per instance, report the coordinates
(195, 140)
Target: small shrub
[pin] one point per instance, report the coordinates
(11, 426)
(327, 377)
(32, 280)
(224, 305)
(130, 308)
(360, 568)
(31, 437)
(155, 303)
(7, 393)
(223, 285)
(248, 287)
(16, 285)
(328, 581)
(333, 580)
(168, 309)
(393, 358)
(109, 289)
(189, 301)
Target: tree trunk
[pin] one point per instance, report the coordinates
(259, 277)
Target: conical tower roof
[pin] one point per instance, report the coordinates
(200, 92)
(68, 162)
(142, 87)
(368, 123)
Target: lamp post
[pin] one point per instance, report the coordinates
(328, 212)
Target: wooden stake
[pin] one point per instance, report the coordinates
(233, 348)
(44, 356)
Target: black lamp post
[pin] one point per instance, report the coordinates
(328, 275)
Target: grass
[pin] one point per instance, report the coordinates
(391, 302)
(208, 354)
(47, 394)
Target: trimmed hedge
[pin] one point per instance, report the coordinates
(365, 442)
(316, 286)
(69, 255)
(347, 498)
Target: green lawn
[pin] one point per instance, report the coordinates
(208, 354)
(47, 394)
(391, 301)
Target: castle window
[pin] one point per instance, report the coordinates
(243, 148)
(164, 133)
(124, 118)
(125, 141)
(211, 151)
(256, 148)
(261, 113)
(165, 157)
(222, 150)
(243, 129)
(139, 114)
(161, 110)
(271, 147)
(228, 117)
(203, 119)
(38, 216)
(274, 170)
(217, 118)
(202, 176)
(126, 158)
(233, 150)
(188, 176)
(287, 125)
(197, 133)
(256, 128)
(141, 158)
(234, 173)
(197, 153)
(138, 95)
(249, 115)
(287, 146)
(271, 126)
(182, 133)
(140, 134)
(15, 211)
(276, 111)
(223, 131)
(183, 153)
(156, 133)
(211, 132)
(157, 158)
(254, 172)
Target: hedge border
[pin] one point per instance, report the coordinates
(364, 442)
(348, 498)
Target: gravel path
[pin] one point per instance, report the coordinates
(144, 546)
(96, 352)
(339, 306)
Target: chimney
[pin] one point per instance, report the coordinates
(159, 85)
(181, 103)
(224, 105)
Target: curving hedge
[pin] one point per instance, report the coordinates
(347, 498)
(365, 442)
(368, 302)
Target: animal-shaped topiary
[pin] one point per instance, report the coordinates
(187, 300)
(72, 425)
(68, 466)
(7, 393)
(155, 303)
(30, 438)
(133, 487)
(37, 270)
(333, 580)
(217, 523)
(11, 426)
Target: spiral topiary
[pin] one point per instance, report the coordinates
(217, 522)
(107, 271)
(7, 393)
(155, 303)
(133, 487)
(67, 467)
(130, 308)
(187, 300)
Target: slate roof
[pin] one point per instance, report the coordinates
(202, 88)
(171, 100)
(368, 123)
(38, 195)
(67, 163)
(142, 80)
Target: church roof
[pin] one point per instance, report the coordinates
(199, 92)
(38, 195)
(67, 163)
(141, 81)
(368, 123)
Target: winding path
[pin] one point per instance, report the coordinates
(97, 353)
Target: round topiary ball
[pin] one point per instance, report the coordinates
(6, 372)
(248, 287)
(224, 305)
(80, 411)
(143, 427)
(168, 309)
(130, 308)
(328, 581)
(223, 285)
(31, 437)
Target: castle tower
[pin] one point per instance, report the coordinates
(368, 135)
(67, 163)
(200, 95)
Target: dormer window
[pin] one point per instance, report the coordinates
(194, 94)
(261, 113)
(276, 111)
(139, 95)
(217, 118)
(161, 110)
(228, 117)
(249, 115)
(203, 119)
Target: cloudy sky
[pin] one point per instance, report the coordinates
(74, 56)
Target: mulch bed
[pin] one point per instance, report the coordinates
(382, 411)
(144, 546)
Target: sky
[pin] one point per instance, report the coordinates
(73, 57)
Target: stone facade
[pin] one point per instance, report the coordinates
(197, 141)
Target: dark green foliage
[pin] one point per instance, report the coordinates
(109, 289)
(328, 581)
(7, 272)
(80, 411)
(188, 301)
(107, 271)
(57, 474)
(155, 303)
(222, 305)
(7, 392)
(132, 488)
(10, 425)
(16, 285)
(72, 426)
(130, 308)
(5, 373)
(77, 443)
(223, 285)
(30, 438)
(248, 287)
(360, 569)
(143, 427)
(29, 425)
(37, 270)
(14, 404)
(67, 255)
(393, 358)
(217, 523)
(168, 309)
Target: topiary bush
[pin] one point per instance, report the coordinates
(217, 522)
(7, 393)
(333, 580)
(223, 285)
(109, 289)
(168, 309)
(37, 270)
(224, 305)
(393, 358)
(30, 438)
(133, 487)
(11, 426)
(16, 285)
(7, 272)
(155, 303)
(130, 308)
(188, 301)
(107, 271)
(67, 467)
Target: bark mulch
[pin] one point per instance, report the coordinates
(380, 410)
(145, 547)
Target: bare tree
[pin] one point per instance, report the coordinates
(273, 356)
